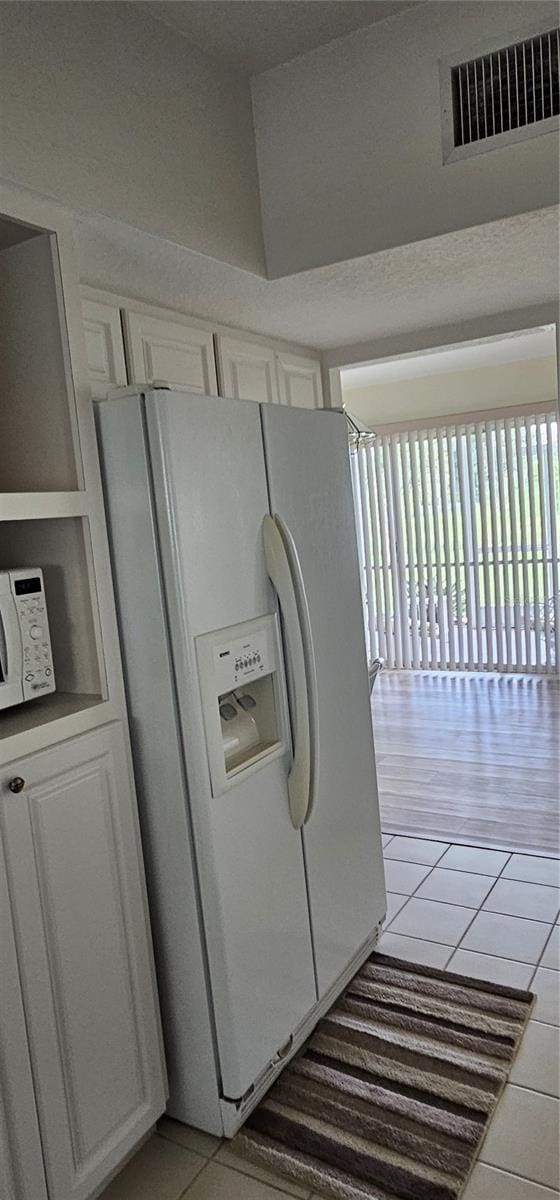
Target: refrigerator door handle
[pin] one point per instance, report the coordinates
(284, 570)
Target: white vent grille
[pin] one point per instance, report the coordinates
(506, 90)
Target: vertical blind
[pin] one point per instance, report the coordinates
(458, 540)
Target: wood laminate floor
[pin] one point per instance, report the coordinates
(469, 758)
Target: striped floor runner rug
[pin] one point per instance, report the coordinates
(391, 1096)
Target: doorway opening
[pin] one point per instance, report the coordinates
(457, 496)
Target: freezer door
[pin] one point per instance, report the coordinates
(310, 492)
(210, 497)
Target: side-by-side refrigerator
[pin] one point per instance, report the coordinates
(235, 565)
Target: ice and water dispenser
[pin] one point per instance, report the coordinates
(243, 698)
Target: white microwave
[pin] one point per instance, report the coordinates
(26, 663)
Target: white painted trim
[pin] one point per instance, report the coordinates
(460, 419)
(332, 387)
(499, 141)
(439, 337)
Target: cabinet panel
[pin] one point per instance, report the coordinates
(38, 436)
(76, 894)
(300, 381)
(104, 346)
(247, 371)
(163, 349)
(21, 1157)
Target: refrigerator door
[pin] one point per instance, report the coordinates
(210, 497)
(310, 492)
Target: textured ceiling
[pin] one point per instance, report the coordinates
(253, 35)
(470, 274)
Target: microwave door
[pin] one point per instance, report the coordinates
(11, 664)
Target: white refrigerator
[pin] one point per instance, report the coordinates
(234, 557)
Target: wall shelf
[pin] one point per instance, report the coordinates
(51, 511)
(31, 727)
(61, 546)
(38, 428)
(29, 506)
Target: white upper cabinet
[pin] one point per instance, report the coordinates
(104, 346)
(75, 883)
(299, 380)
(160, 348)
(139, 345)
(246, 370)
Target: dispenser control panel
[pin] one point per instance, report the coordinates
(244, 659)
(244, 701)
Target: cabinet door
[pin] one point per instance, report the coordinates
(104, 346)
(21, 1156)
(80, 920)
(163, 349)
(300, 381)
(247, 371)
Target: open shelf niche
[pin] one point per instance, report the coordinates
(61, 548)
(38, 439)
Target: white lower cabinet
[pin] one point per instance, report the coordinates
(21, 1156)
(80, 933)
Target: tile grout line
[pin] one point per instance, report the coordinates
(544, 950)
(419, 837)
(499, 912)
(463, 936)
(174, 1142)
(238, 1170)
(514, 1174)
(182, 1195)
(424, 880)
(476, 911)
(456, 904)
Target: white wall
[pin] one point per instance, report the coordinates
(106, 109)
(349, 139)
(477, 389)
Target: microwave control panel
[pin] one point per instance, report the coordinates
(37, 665)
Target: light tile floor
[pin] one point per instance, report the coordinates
(480, 912)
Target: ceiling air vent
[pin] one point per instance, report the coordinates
(507, 93)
